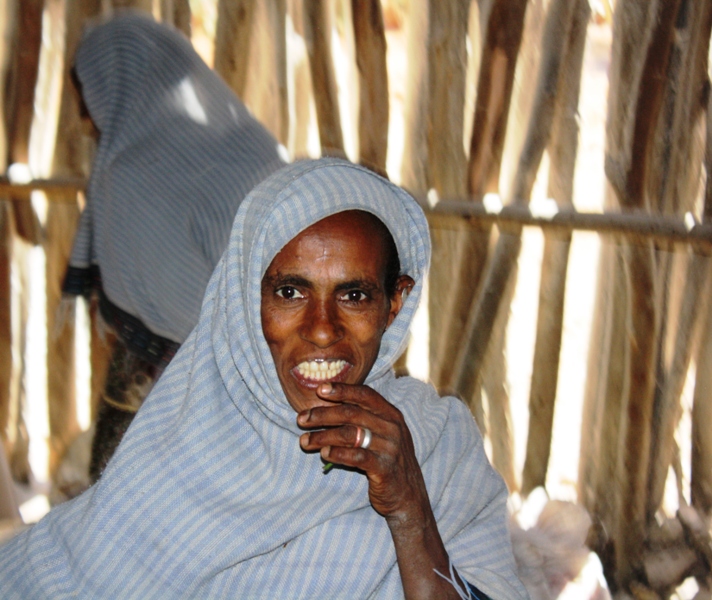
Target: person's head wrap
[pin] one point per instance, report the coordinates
(177, 153)
(209, 495)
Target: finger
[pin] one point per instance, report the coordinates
(334, 416)
(361, 395)
(348, 436)
(358, 458)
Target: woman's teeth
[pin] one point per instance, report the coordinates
(321, 370)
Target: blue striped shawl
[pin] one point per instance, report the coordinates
(178, 152)
(209, 494)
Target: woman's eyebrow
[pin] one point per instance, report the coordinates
(364, 284)
(280, 280)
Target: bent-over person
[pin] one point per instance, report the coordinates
(177, 153)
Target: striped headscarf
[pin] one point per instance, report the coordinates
(210, 496)
(177, 153)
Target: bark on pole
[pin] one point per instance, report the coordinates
(642, 39)
(9, 509)
(503, 36)
(317, 34)
(682, 178)
(21, 57)
(600, 485)
(605, 480)
(22, 77)
(701, 476)
(562, 152)
(446, 56)
(144, 5)
(505, 27)
(447, 59)
(278, 18)
(71, 158)
(370, 40)
(6, 241)
(177, 13)
(298, 81)
(414, 167)
(266, 91)
(233, 35)
(7, 398)
(486, 305)
(499, 427)
(597, 368)
(701, 480)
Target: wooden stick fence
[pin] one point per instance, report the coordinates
(658, 94)
(658, 228)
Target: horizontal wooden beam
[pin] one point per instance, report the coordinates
(59, 190)
(455, 213)
(662, 229)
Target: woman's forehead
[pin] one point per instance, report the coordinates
(349, 236)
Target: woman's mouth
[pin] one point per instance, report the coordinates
(314, 372)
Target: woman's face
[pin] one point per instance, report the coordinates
(325, 306)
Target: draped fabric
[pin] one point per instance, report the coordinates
(210, 496)
(177, 153)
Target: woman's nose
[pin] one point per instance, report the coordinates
(321, 325)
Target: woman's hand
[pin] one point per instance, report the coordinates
(396, 486)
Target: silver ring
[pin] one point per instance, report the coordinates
(367, 436)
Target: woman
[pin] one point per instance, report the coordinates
(217, 489)
(177, 153)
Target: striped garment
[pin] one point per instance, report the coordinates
(210, 496)
(177, 153)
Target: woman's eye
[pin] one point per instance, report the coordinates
(289, 293)
(354, 296)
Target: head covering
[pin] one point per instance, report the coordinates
(177, 153)
(209, 495)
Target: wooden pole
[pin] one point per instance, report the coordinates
(446, 74)
(22, 78)
(562, 151)
(642, 36)
(21, 57)
(370, 40)
(414, 167)
(505, 27)
(266, 91)
(7, 398)
(447, 59)
(486, 305)
(317, 33)
(298, 81)
(71, 158)
(701, 479)
(680, 182)
(637, 227)
(499, 427)
(278, 17)
(9, 510)
(177, 13)
(6, 242)
(233, 33)
(593, 401)
(605, 478)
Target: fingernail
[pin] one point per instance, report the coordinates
(304, 440)
(304, 417)
(325, 452)
(326, 388)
